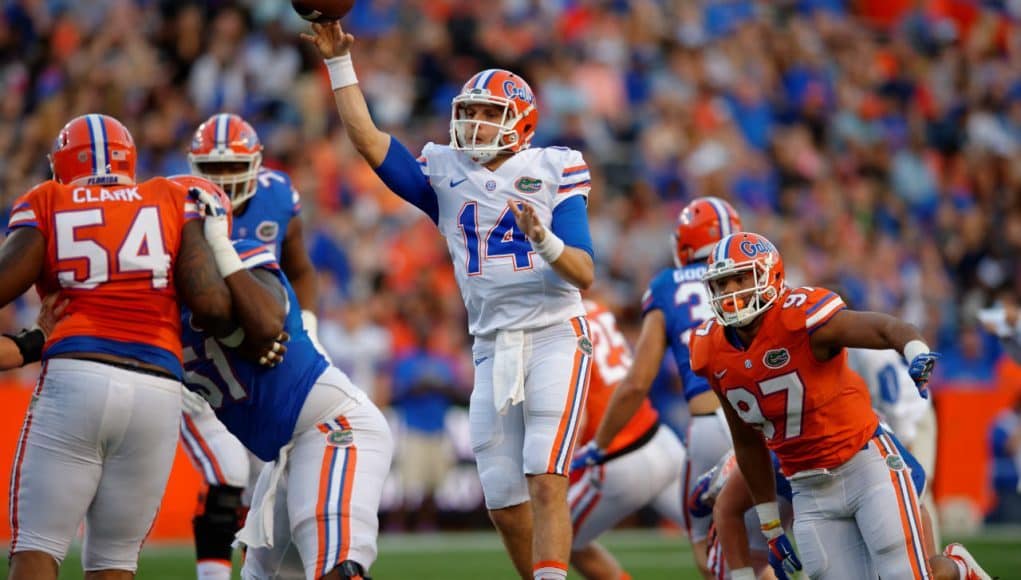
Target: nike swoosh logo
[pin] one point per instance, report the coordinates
(720, 374)
(456, 183)
(479, 361)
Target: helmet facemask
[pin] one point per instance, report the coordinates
(464, 131)
(235, 173)
(741, 307)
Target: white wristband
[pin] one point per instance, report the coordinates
(743, 574)
(913, 349)
(342, 71)
(769, 519)
(550, 247)
(225, 256)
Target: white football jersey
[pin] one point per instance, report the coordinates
(894, 395)
(504, 283)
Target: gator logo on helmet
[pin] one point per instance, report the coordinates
(528, 185)
(777, 358)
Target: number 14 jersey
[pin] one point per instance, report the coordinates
(813, 414)
(504, 284)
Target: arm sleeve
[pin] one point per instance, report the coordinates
(27, 210)
(406, 177)
(570, 223)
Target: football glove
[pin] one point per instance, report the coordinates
(700, 502)
(782, 559)
(588, 456)
(920, 369)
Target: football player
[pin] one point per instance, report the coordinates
(641, 466)
(675, 303)
(227, 151)
(327, 446)
(776, 357)
(516, 225)
(100, 436)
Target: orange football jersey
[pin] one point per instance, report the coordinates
(110, 249)
(813, 414)
(612, 359)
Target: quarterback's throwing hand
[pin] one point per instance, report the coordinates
(921, 368)
(527, 220)
(330, 39)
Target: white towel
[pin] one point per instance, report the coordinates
(258, 529)
(509, 369)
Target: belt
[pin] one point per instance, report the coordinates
(133, 368)
(634, 445)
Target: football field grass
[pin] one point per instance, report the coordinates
(647, 555)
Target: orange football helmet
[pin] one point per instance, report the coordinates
(702, 223)
(226, 150)
(517, 125)
(94, 150)
(737, 255)
(190, 181)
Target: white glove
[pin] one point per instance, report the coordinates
(192, 403)
(311, 324)
(216, 227)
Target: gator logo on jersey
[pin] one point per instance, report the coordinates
(342, 438)
(585, 345)
(528, 185)
(777, 358)
(267, 231)
(895, 462)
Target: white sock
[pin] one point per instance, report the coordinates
(213, 570)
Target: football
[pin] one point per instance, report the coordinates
(322, 10)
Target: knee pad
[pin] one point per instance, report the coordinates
(219, 517)
(351, 570)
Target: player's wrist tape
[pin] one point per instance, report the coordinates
(225, 256)
(769, 519)
(743, 574)
(550, 247)
(342, 71)
(914, 348)
(30, 344)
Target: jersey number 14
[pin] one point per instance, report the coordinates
(504, 240)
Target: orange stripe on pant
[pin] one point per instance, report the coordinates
(204, 447)
(345, 498)
(333, 455)
(566, 436)
(329, 456)
(908, 509)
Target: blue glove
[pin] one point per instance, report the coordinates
(921, 368)
(782, 558)
(587, 456)
(698, 504)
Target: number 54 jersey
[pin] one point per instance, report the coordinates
(814, 414)
(504, 284)
(110, 249)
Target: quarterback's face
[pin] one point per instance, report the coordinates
(487, 114)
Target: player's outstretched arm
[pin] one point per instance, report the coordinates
(335, 47)
(728, 515)
(298, 266)
(628, 395)
(875, 330)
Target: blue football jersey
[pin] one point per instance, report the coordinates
(682, 298)
(259, 405)
(265, 216)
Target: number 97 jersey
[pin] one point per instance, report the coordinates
(814, 414)
(111, 249)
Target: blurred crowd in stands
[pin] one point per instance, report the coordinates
(877, 143)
